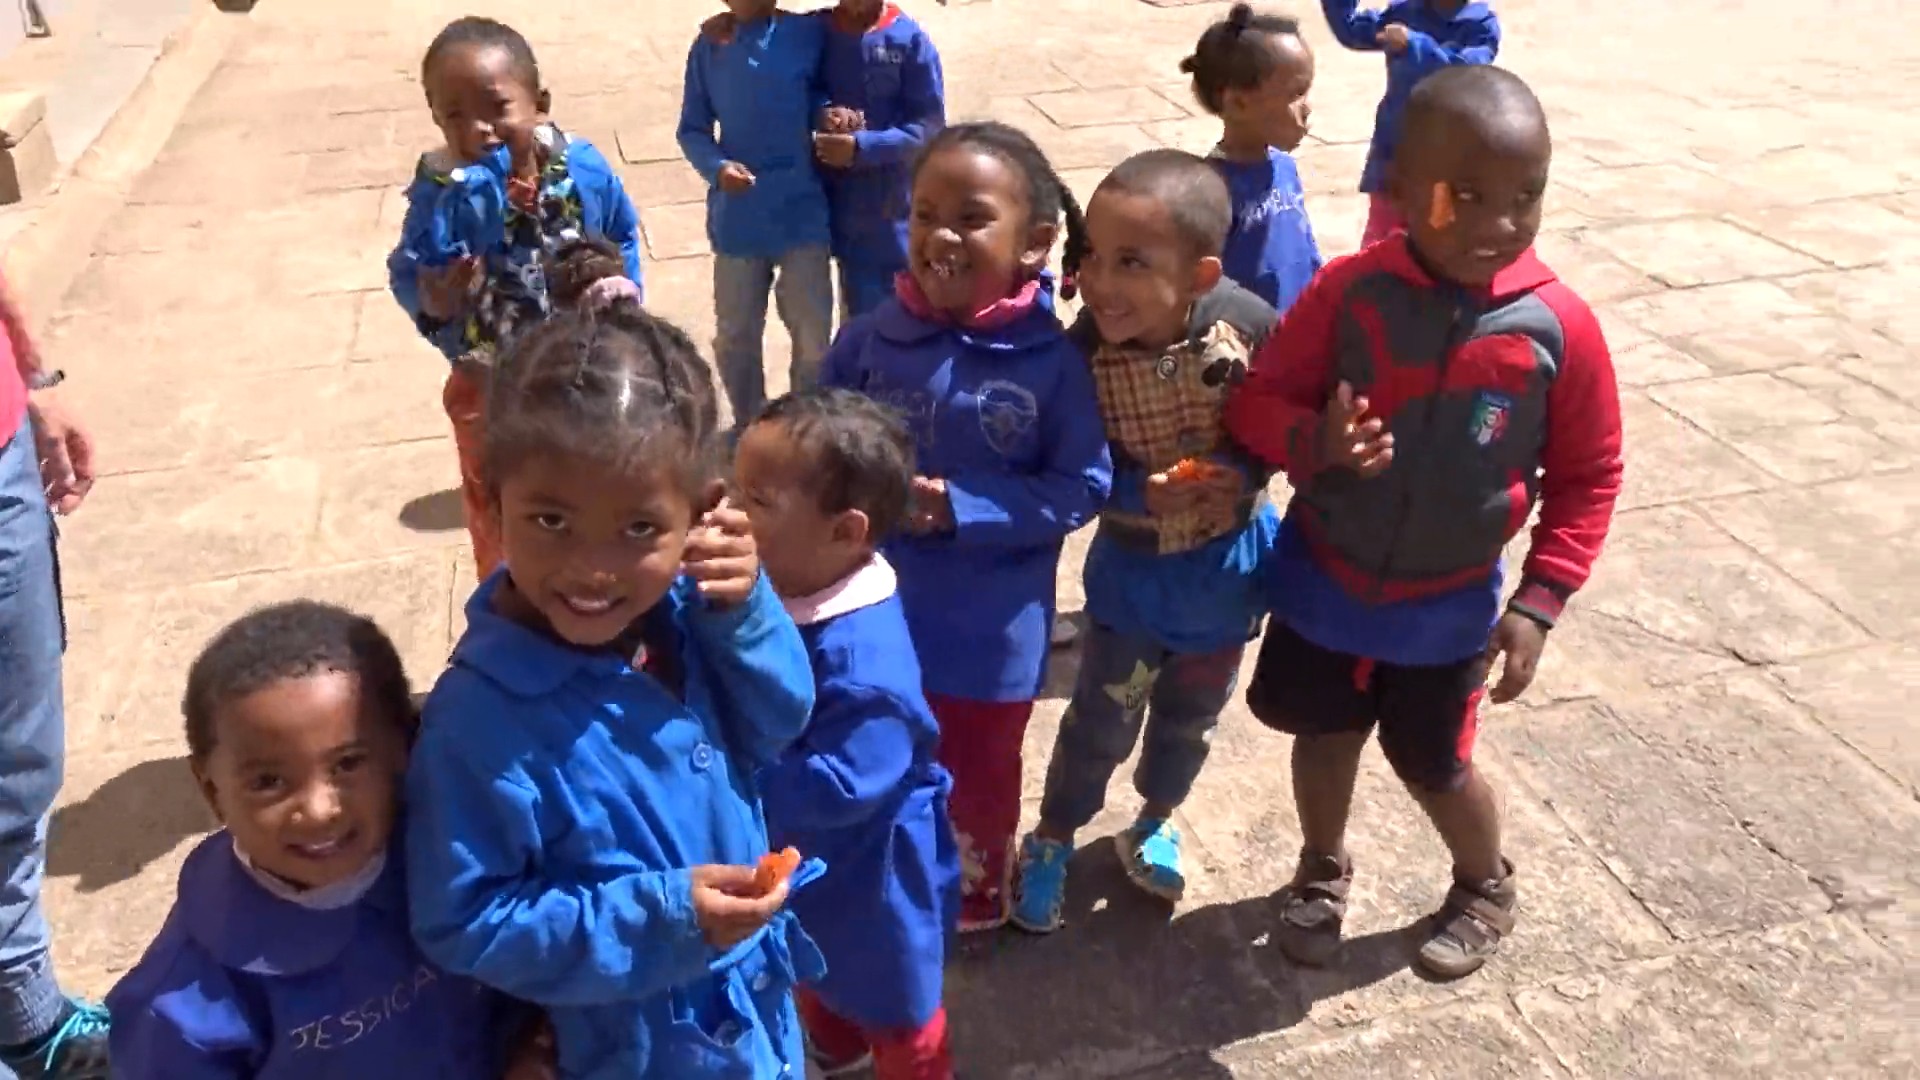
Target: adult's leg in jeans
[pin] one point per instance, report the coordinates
(740, 313)
(32, 742)
(1100, 727)
(804, 295)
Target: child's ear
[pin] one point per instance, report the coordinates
(1040, 240)
(1206, 274)
(853, 527)
(544, 102)
(207, 791)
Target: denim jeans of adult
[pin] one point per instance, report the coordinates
(32, 738)
(1127, 684)
(801, 282)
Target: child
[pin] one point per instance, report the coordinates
(883, 78)
(824, 476)
(766, 210)
(484, 212)
(1421, 395)
(1011, 458)
(287, 953)
(1419, 37)
(1254, 73)
(1173, 594)
(582, 817)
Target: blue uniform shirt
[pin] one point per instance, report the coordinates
(891, 72)
(1009, 418)
(1271, 251)
(863, 791)
(558, 799)
(762, 93)
(243, 985)
(1468, 36)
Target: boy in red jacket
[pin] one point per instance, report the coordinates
(1421, 396)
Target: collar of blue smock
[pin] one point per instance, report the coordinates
(1038, 328)
(246, 928)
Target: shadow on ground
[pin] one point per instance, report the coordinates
(129, 821)
(1124, 991)
(438, 512)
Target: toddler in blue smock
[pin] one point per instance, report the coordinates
(287, 955)
(583, 818)
(824, 477)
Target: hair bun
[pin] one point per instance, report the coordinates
(1190, 65)
(1240, 16)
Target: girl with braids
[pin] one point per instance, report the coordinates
(583, 821)
(1011, 457)
(1254, 72)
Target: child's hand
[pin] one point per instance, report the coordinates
(1169, 496)
(840, 120)
(445, 291)
(534, 1056)
(932, 507)
(1218, 492)
(1522, 640)
(721, 558)
(720, 28)
(727, 905)
(1352, 443)
(1392, 38)
(735, 178)
(834, 150)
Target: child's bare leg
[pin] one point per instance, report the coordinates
(1325, 769)
(1469, 822)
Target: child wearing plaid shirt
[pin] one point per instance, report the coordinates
(1172, 578)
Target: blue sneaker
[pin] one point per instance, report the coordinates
(1150, 852)
(76, 1049)
(1041, 888)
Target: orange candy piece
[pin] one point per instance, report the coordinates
(774, 868)
(1188, 470)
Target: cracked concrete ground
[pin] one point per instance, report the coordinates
(1711, 792)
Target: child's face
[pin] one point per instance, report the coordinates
(1277, 112)
(1138, 278)
(304, 778)
(480, 101)
(748, 10)
(803, 549)
(1473, 203)
(591, 547)
(972, 238)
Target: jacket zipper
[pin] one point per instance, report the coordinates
(1458, 329)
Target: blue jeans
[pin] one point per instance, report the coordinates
(802, 285)
(1127, 684)
(32, 738)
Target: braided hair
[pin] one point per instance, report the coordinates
(1236, 53)
(616, 386)
(1047, 195)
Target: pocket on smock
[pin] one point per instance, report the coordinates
(715, 1029)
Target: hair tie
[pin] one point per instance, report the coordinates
(1190, 65)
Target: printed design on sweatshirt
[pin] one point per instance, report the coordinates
(350, 1025)
(1491, 412)
(1276, 202)
(1008, 411)
(916, 409)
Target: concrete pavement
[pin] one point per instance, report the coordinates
(1711, 791)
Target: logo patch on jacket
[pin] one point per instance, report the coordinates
(1490, 413)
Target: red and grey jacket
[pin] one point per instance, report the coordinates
(1496, 398)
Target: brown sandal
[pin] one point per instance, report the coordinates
(1312, 908)
(1470, 925)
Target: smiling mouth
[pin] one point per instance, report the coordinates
(588, 607)
(944, 269)
(325, 849)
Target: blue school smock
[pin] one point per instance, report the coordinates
(862, 790)
(1468, 36)
(891, 72)
(755, 100)
(1270, 251)
(1009, 419)
(243, 984)
(558, 799)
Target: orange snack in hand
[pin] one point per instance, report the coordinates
(1188, 470)
(774, 868)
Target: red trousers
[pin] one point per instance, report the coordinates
(464, 398)
(900, 1055)
(980, 745)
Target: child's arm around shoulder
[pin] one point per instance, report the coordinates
(764, 679)
(619, 222)
(482, 904)
(1004, 509)
(858, 749)
(1277, 412)
(924, 98)
(178, 1016)
(1580, 465)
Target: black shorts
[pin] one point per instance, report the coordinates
(1427, 716)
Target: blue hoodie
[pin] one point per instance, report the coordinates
(1009, 419)
(1271, 251)
(1469, 36)
(891, 72)
(243, 984)
(456, 211)
(862, 790)
(558, 798)
(762, 92)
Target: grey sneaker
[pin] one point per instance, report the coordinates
(1313, 906)
(1467, 932)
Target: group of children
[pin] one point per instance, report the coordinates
(822, 628)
